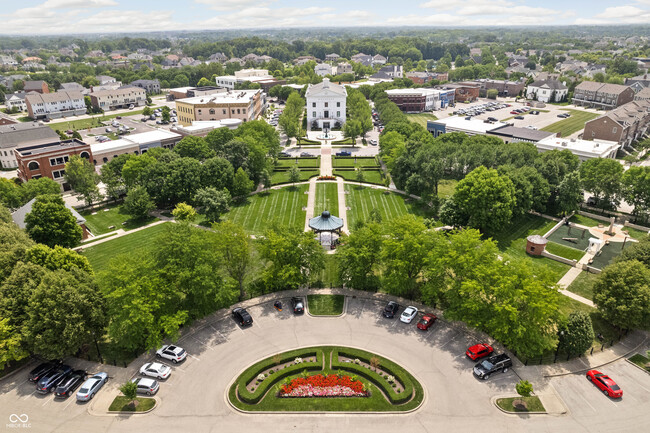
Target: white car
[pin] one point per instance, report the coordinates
(146, 386)
(408, 314)
(173, 353)
(156, 369)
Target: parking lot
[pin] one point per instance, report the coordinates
(194, 396)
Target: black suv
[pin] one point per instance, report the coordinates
(390, 309)
(485, 368)
(242, 317)
(42, 369)
(298, 306)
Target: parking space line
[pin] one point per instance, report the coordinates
(450, 340)
(69, 403)
(194, 357)
(48, 400)
(209, 347)
(29, 395)
(588, 404)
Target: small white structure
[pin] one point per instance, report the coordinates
(322, 69)
(547, 91)
(594, 245)
(583, 149)
(326, 104)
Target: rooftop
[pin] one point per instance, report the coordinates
(24, 134)
(584, 148)
(325, 222)
(475, 126)
(19, 215)
(237, 96)
(52, 146)
(60, 96)
(521, 133)
(325, 87)
(134, 140)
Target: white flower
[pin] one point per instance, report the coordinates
(390, 379)
(357, 361)
(261, 377)
(297, 360)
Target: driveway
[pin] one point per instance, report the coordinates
(194, 397)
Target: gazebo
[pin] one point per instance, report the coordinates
(326, 223)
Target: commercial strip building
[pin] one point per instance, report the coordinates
(463, 92)
(601, 95)
(583, 149)
(421, 100)
(259, 76)
(623, 125)
(21, 135)
(326, 104)
(468, 125)
(191, 92)
(245, 105)
(135, 144)
(55, 105)
(203, 128)
(504, 87)
(118, 98)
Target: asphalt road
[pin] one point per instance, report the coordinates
(194, 397)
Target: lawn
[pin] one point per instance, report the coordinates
(533, 403)
(636, 234)
(283, 206)
(600, 325)
(350, 162)
(369, 176)
(298, 162)
(328, 277)
(123, 404)
(361, 200)
(642, 361)
(89, 122)
(325, 305)
(421, 118)
(586, 221)
(133, 243)
(446, 187)
(573, 124)
(113, 215)
(564, 251)
(327, 198)
(583, 285)
(278, 177)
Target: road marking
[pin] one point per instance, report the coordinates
(588, 404)
(450, 340)
(209, 347)
(47, 401)
(194, 357)
(29, 395)
(69, 403)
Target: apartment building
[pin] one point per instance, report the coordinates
(241, 104)
(623, 125)
(55, 105)
(118, 98)
(602, 95)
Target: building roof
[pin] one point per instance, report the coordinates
(551, 84)
(134, 140)
(471, 125)
(325, 87)
(50, 146)
(643, 93)
(8, 118)
(72, 87)
(592, 86)
(584, 148)
(537, 239)
(19, 215)
(521, 133)
(60, 96)
(325, 222)
(34, 85)
(629, 113)
(414, 92)
(233, 97)
(21, 134)
(122, 91)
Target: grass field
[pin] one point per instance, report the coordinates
(260, 211)
(421, 118)
(446, 187)
(137, 242)
(584, 285)
(350, 162)
(115, 216)
(328, 277)
(327, 198)
(278, 177)
(325, 305)
(362, 200)
(642, 361)
(298, 162)
(573, 124)
(90, 122)
(369, 176)
(564, 251)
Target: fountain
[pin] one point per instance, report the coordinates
(325, 135)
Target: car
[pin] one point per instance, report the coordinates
(146, 385)
(242, 317)
(118, 117)
(51, 380)
(144, 119)
(69, 132)
(156, 369)
(306, 154)
(605, 383)
(70, 383)
(390, 310)
(90, 387)
(519, 117)
(343, 153)
(284, 154)
(373, 142)
(426, 321)
(298, 305)
(109, 130)
(484, 369)
(492, 119)
(408, 314)
(514, 112)
(41, 370)
(131, 107)
(152, 117)
(173, 353)
(479, 351)
(158, 122)
(531, 127)
(535, 112)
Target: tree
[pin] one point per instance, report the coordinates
(242, 184)
(146, 111)
(166, 114)
(265, 179)
(137, 203)
(218, 138)
(289, 120)
(130, 391)
(35, 187)
(637, 251)
(294, 175)
(358, 257)
(524, 388)
(570, 194)
(10, 193)
(636, 189)
(194, 147)
(214, 202)
(11, 344)
(51, 223)
(204, 82)
(217, 172)
(602, 177)
(80, 174)
(57, 258)
(622, 294)
(492, 93)
(577, 335)
(359, 176)
(235, 248)
(184, 212)
(352, 129)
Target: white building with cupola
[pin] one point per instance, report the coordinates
(325, 105)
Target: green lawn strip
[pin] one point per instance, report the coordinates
(533, 403)
(89, 240)
(369, 176)
(345, 141)
(123, 404)
(325, 305)
(572, 124)
(327, 198)
(641, 361)
(636, 234)
(564, 251)
(583, 285)
(299, 162)
(600, 325)
(348, 161)
(421, 118)
(362, 200)
(586, 221)
(89, 122)
(115, 216)
(259, 211)
(133, 243)
(446, 187)
(280, 177)
(328, 277)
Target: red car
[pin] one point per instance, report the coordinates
(604, 383)
(514, 112)
(479, 351)
(426, 321)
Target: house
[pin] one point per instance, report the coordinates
(252, 58)
(332, 57)
(218, 57)
(240, 104)
(17, 135)
(150, 86)
(16, 100)
(547, 91)
(49, 159)
(5, 119)
(298, 61)
(420, 100)
(105, 79)
(425, 77)
(74, 87)
(323, 69)
(36, 86)
(55, 105)
(118, 98)
(259, 76)
(364, 59)
(623, 125)
(326, 105)
(378, 59)
(8, 62)
(344, 68)
(602, 95)
(644, 80)
(94, 54)
(643, 95)
(31, 59)
(19, 217)
(393, 71)
(135, 144)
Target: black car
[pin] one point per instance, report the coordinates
(343, 153)
(51, 380)
(43, 369)
(284, 154)
(298, 305)
(390, 310)
(69, 384)
(492, 119)
(493, 364)
(242, 317)
(519, 117)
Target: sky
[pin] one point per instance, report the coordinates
(107, 16)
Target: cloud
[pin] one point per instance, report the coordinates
(114, 21)
(228, 5)
(266, 17)
(69, 4)
(449, 20)
(488, 7)
(626, 14)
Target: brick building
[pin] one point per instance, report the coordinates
(240, 104)
(623, 125)
(36, 86)
(463, 92)
(505, 88)
(602, 95)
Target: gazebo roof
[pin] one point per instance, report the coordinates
(325, 222)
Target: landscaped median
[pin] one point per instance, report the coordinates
(530, 404)
(326, 379)
(139, 405)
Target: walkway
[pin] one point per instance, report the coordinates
(311, 202)
(343, 212)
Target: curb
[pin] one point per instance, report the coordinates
(640, 368)
(107, 413)
(8, 375)
(507, 412)
(319, 316)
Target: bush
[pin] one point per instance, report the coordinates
(524, 388)
(577, 335)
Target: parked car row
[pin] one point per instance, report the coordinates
(273, 120)
(480, 109)
(62, 380)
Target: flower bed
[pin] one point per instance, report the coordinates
(323, 386)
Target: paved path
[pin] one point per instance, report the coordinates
(326, 160)
(343, 213)
(311, 202)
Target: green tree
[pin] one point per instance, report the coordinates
(636, 189)
(637, 251)
(184, 212)
(213, 202)
(11, 344)
(235, 247)
(194, 147)
(51, 223)
(57, 258)
(41, 186)
(217, 172)
(218, 138)
(492, 93)
(10, 194)
(242, 184)
(294, 175)
(524, 388)
(359, 176)
(204, 82)
(570, 194)
(622, 294)
(352, 129)
(577, 335)
(289, 120)
(358, 257)
(137, 203)
(166, 114)
(146, 111)
(80, 174)
(602, 177)
(130, 390)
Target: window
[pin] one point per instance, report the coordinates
(33, 165)
(313, 114)
(239, 111)
(313, 104)
(82, 154)
(338, 114)
(58, 174)
(211, 110)
(338, 104)
(224, 111)
(614, 130)
(326, 105)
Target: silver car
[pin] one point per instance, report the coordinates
(91, 386)
(146, 385)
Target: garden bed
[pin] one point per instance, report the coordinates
(533, 404)
(123, 404)
(641, 361)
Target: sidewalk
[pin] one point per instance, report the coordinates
(311, 202)
(343, 212)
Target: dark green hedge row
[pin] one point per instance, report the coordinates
(354, 169)
(300, 168)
